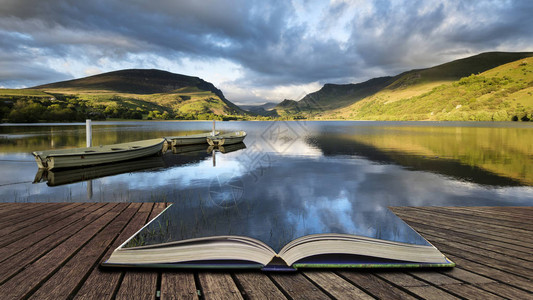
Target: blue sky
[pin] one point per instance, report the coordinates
(254, 51)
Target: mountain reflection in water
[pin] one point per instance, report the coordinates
(366, 166)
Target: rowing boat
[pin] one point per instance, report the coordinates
(79, 157)
(191, 139)
(226, 138)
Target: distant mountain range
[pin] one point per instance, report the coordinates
(501, 89)
(369, 99)
(185, 89)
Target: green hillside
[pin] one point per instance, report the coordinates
(125, 94)
(371, 100)
(332, 96)
(503, 93)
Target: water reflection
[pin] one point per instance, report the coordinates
(274, 222)
(371, 164)
(187, 155)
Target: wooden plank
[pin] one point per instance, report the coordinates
(434, 278)
(215, 285)
(296, 286)
(483, 233)
(470, 292)
(28, 213)
(480, 218)
(34, 232)
(416, 286)
(509, 264)
(8, 208)
(336, 286)
(375, 286)
(39, 221)
(144, 281)
(134, 287)
(16, 209)
(495, 274)
(24, 239)
(430, 292)
(25, 282)
(69, 276)
(257, 285)
(506, 291)
(500, 215)
(178, 285)
(483, 248)
(518, 211)
(523, 253)
(467, 276)
(474, 226)
(28, 254)
(102, 284)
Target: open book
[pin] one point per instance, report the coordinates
(213, 236)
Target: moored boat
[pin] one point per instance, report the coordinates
(191, 139)
(79, 157)
(226, 138)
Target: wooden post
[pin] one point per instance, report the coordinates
(213, 132)
(89, 189)
(89, 132)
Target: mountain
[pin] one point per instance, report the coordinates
(191, 94)
(261, 109)
(332, 96)
(125, 94)
(366, 100)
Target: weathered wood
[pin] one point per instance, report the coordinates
(27, 253)
(143, 281)
(506, 291)
(218, 286)
(467, 276)
(470, 292)
(40, 220)
(134, 287)
(70, 275)
(493, 273)
(449, 225)
(474, 226)
(502, 262)
(257, 285)
(59, 259)
(27, 213)
(297, 286)
(375, 286)
(19, 209)
(22, 284)
(335, 286)
(479, 218)
(102, 284)
(178, 285)
(33, 232)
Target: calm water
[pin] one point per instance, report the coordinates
(312, 168)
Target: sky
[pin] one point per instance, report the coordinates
(254, 51)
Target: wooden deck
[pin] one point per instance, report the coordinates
(52, 251)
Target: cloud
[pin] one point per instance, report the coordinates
(269, 45)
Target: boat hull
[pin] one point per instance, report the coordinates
(187, 141)
(52, 162)
(227, 139)
(194, 139)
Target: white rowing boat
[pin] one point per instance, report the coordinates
(191, 139)
(79, 157)
(226, 138)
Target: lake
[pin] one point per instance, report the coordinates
(313, 165)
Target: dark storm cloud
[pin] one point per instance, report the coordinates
(275, 42)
